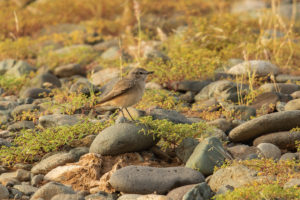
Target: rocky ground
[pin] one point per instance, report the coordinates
(232, 135)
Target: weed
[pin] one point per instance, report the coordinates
(11, 84)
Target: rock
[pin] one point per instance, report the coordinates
(47, 121)
(221, 123)
(266, 102)
(7, 105)
(170, 115)
(51, 189)
(178, 193)
(35, 93)
(45, 80)
(187, 97)
(153, 197)
(129, 196)
(194, 86)
(221, 90)
(6, 65)
(69, 70)
(37, 179)
(67, 197)
(293, 105)
(218, 133)
(9, 178)
(248, 6)
(24, 108)
(53, 161)
(60, 173)
(289, 156)
(235, 176)
(153, 86)
(225, 189)
(286, 10)
(292, 183)
(284, 88)
(83, 86)
(186, 148)
(243, 151)
(280, 106)
(26, 189)
(103, 196)
(105, 75)
(17, 126)
(135, 113)
(146, 180)
(210, 105)
(281, 121)
(152, 54)
(208, 154)
(111, 53)
(3, 192)
(242, 112)
(102, 46)
(23, 175)
(258, 67)
(122, 138)
(5, 142)
(283, 140)
(296, 95)
(269, 150)
(199, 191)
(282, 78)
(19, 68)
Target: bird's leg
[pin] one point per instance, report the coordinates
(129, 114)
(121, 109)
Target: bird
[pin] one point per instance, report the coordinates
(127, 91)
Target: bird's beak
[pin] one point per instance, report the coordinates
(151, 72)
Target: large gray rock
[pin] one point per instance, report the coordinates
(243, 152)
(24, 108)
(19, 68)
(54, 161)
(257, 67)
(26, 189)
(35, 93)
(283, 140)
(6, 65)
(179, 192)
(221, 123)
(293, 105)
(285, 88)
(7, 105)
(242, 112)
(186, 148)
(221, 90)
(282, 78)
(67, 197)
(208, 154)
(69, 70)
(3, 192)
(269, 150)
(47, 121)
(235, 176)
(51, 189)
(147, 180)
(201, 192)
(170, 115)
(194, 86)
(266, 102)
(122, 138)
(105, 75)
(45, 80)
(281, 121)
(17, 126)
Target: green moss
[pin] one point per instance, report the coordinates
(258, 192)
(31, 145)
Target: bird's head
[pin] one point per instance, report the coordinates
(139, 73)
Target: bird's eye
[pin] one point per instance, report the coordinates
(140, 72)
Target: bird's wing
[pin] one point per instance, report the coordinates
(119, 88)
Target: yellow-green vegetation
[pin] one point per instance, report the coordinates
(78, 54)
(71, 102)
(161, 98)
(31, 145)
(172, 134)
(11, 84)
(258, 192)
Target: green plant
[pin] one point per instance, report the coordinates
(161, 98)
(258, 192)
(31, 144)
(11, 84)
(172, 134)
